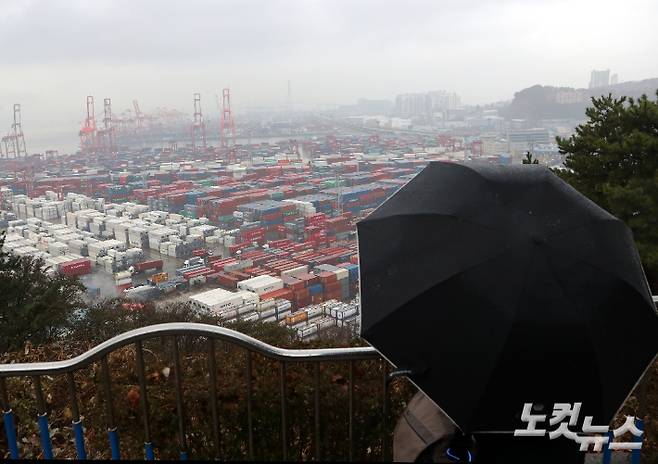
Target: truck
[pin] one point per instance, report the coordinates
(122, 276)
(158, 278)
(193, 261)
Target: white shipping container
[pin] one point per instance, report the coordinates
(346, 314)
(325, 323)
(349, 322)
(342, 273)
(283, 305)
(280, 317)
(266, 313)
(251, 317)
(295, 272)
(307, 331)
(265, 305)
(314, 311)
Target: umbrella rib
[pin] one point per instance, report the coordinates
(599, 268)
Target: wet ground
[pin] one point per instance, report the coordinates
(103, 280)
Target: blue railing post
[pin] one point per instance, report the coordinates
(10, 430)
(101, 352)
(79, 439)
(148, 451)
(114, 443)
(42, 419)
(607, 453)
(636, 454)
(44, 434)
(76, 423)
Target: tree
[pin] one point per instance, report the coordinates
(35, 304)
(529, 159)
(613, 159)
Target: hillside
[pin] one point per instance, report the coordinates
(548, 102)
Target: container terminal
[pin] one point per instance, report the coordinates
(260, 231)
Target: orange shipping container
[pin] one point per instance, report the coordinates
(282, 294)
(300, 316)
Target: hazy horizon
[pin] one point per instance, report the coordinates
(161, 52)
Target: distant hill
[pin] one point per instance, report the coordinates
(547, 102)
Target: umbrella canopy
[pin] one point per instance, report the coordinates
(501, 286)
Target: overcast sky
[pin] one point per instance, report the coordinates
(55, 52)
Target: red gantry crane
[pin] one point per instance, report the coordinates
(199, 125)
(106, 135)
(226, 123)
(227, 127)
(88, 132)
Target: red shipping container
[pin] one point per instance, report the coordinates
(308, 279)
(152, 264)
(239, 275)
(331, 286)
(76, 267)
(335, 295)
(293, 283)
(283, 294)
(327, 277)
(301, 293)
(302, 303)
(227, 280)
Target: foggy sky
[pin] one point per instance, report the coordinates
(55, 52)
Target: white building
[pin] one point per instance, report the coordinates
(220, 300)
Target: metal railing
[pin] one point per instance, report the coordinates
(173, 331)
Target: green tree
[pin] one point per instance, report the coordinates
(613, 159)
(529, 159)
(35, 305)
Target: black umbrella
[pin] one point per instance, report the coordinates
(500, 286)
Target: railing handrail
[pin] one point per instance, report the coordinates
(186, 328)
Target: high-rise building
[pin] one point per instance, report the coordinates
(412, 104)
(425, 104)
(599, 78)
(444, 101)
(614, 79)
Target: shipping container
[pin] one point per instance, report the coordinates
(76, 267)
(152, 264)
(296, 318)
